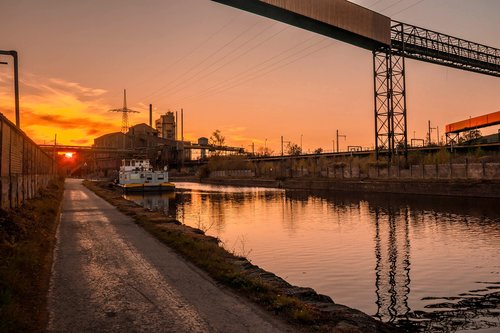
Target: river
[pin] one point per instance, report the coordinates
(428, 263)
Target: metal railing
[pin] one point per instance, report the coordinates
(423, 44)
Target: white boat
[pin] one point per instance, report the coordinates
(138, 175)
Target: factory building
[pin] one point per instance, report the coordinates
(142, 140)
(166, 126)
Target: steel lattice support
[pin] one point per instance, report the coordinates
(390, 104)
(438, 48)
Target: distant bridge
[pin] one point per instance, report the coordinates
(85, 149)
(94, 149)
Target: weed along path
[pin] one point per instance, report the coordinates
(109, 275)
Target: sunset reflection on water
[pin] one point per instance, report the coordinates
(391, 256)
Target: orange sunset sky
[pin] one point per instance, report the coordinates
(250, 77)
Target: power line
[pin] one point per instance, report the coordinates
(193, 50)
(405, 9)
(375, 3)
(390, 6)
(238, 76)
(271, 69)
(184, 83)
(203, 61)
(238, 57)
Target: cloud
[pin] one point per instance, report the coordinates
(79, 142)
(236, 135)
(93, 131)
(236, 129)
(73, 86)
(68, 123)
(49, 106)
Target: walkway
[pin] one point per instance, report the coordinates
(109, 275)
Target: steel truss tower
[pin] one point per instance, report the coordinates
(124, 111)
(390, 104)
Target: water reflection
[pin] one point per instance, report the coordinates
(413, 260)
(392, 269)
(161, 202)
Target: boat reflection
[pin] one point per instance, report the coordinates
(155, 201)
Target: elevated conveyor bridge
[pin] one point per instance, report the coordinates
(391, 42)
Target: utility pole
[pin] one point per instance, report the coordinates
(150, 115)
(55, 146)
(301, 151)
(176, 125)
(437, 129)
(182, 125)
(282, 145)
(429, 133)
(340, 135)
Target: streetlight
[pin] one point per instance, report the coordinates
(16, 83)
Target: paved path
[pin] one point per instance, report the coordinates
(109, 275)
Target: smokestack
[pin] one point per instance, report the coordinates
(182, 125)
(150, 115)
(176, 125)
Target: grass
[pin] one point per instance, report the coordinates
(27, 239)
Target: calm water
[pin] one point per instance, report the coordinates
(432, 261)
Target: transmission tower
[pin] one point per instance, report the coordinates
(125, 111)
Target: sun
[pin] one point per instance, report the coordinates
(68, 155)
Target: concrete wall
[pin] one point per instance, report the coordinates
(232, 173)
(437, 171)
(24, 167)
(325, 169)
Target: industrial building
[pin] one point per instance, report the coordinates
(166, 126)
(144, 141)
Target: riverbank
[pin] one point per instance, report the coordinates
(439, 187)
(27, 240)
(302, 307)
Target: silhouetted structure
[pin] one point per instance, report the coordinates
(124, 111)
(390, 42)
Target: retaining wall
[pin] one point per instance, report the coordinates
(475, 171)
(24, 167)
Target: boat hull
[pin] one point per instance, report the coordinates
(139, 187)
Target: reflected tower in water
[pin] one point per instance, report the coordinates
(392, 269)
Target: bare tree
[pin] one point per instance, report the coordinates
(264, 151)
(217, 139)
(318, 150)
(293, 149)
